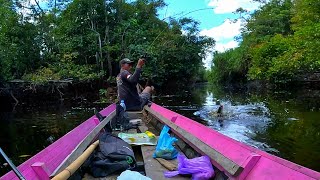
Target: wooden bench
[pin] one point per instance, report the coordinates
(134, 114)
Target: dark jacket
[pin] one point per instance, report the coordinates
(127, 90)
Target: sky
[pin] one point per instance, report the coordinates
(214, 22)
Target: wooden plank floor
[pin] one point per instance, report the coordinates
(89, 177)
(153, 168)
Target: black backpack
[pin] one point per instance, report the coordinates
(114, 155)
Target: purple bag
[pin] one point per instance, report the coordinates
(200, 168)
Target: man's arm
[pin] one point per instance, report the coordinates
(136, 75)
(133, 78)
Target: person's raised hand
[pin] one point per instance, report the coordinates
(140, 63)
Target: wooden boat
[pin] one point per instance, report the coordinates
(231, 159)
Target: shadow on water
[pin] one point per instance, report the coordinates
(282, 123)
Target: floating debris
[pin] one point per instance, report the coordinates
(51, 139)
(24, 156)
(293, 119)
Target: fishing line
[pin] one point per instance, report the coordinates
(186, 13)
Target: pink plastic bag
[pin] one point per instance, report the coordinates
(200, 168)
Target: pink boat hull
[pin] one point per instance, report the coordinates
(45, 162)
(257, 164)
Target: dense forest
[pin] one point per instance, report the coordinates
(85, 40)
(279, 44)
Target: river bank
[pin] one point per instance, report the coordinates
(23, 91)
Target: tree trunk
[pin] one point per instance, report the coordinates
(107, 41)
(100, 51)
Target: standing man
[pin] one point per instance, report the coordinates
(127, 82)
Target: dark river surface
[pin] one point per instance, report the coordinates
(286, 124)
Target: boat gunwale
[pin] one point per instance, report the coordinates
(81, 147)
(201, 147)
(288, 166)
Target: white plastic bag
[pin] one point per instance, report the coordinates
(129, 175)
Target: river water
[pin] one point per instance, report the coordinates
(282, 123)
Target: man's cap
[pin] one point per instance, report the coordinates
(126, 61)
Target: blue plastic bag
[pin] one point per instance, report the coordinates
(164, 148)
(200, 168)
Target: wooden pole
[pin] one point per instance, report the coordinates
(66, 173)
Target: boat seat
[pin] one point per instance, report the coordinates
(134, 114)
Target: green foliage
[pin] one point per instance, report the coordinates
(271, 60)
(19, 50)
(103, 92)
(60, 71)
(41, 76)
(307, 25)
(85, 39)
(273, 18)
(280, 44)
(230, 66)
(75, 71)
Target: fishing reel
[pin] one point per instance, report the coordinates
(145, 57)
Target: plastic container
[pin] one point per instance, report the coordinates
(123, 105)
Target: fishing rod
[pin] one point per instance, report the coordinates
(13, 167)
(145, 55)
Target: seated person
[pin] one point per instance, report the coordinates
(127, 82)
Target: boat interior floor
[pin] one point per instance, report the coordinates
(146, 164)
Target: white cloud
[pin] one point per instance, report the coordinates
(229, 6)
(226, 30)
(221, 47)
(207, 61)
(25, 10)
(224, 36)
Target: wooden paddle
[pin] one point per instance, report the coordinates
(67, 172)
